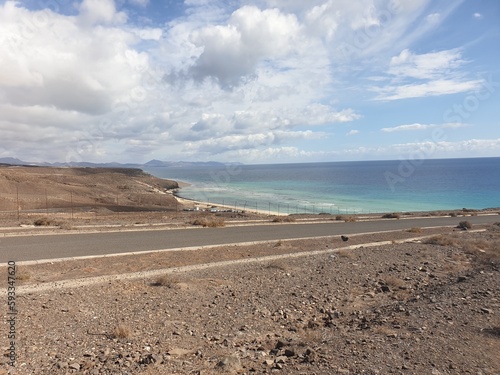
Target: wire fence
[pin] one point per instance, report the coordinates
(19, 205)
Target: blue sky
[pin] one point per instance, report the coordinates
(251, 81)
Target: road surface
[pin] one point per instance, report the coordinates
(75, 245)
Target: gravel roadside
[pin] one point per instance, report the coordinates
(410, 308)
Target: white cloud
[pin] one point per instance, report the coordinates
(430, 74)
(425, 66)
(221, 79)
(353, 132)
(417, 126)
(231, 52)
(100, 11)
(432, 88)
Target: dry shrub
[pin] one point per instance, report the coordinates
(168, 281)
(23, 277)
(210, 222)
(484, 251)
(276, 265)
(350, 219)
(44, 222)
(122, 331)
(464, 225)
(283, 219)
(441, 240)
(393, 215)
(48, 222)
(345, 253)
(346, 218)
(415, 230)
(65, 225)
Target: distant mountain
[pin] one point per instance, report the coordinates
(150, 164)
(13, 161)
(178, 164)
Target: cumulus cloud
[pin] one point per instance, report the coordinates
(100, 11)
(233, 51)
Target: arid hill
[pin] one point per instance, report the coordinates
(49, 188)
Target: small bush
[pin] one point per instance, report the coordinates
(393, 215)
(44, 222)
(441, 241)
(168, 281)
(65, 225)
(464, 225)
(284, 219)
(122, 331)
(350, 219)
(415, 230)
(345, 253)
(210, 222)
(453, 214)
(23, 277)
(277, 265)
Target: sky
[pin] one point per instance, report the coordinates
(268, 81)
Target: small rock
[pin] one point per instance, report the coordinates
(74, 366)
(279, 344)
(486, 311)
(177, 352)
(231, 363)
(280, 359)
(62, 365)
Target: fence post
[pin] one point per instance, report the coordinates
(17, 201)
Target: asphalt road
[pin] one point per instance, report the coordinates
(76, 245)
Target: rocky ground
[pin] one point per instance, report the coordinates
(428, 307)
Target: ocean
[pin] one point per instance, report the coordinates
(344, 187)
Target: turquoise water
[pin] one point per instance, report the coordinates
(345, 187)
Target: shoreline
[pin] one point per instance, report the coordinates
(207, 205)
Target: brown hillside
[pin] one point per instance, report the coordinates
(35, 188)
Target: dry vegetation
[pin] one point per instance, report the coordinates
(284, 219)
(393, 215)
(486, 250)
(346, 218)
(208, 222)
(122, 331)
